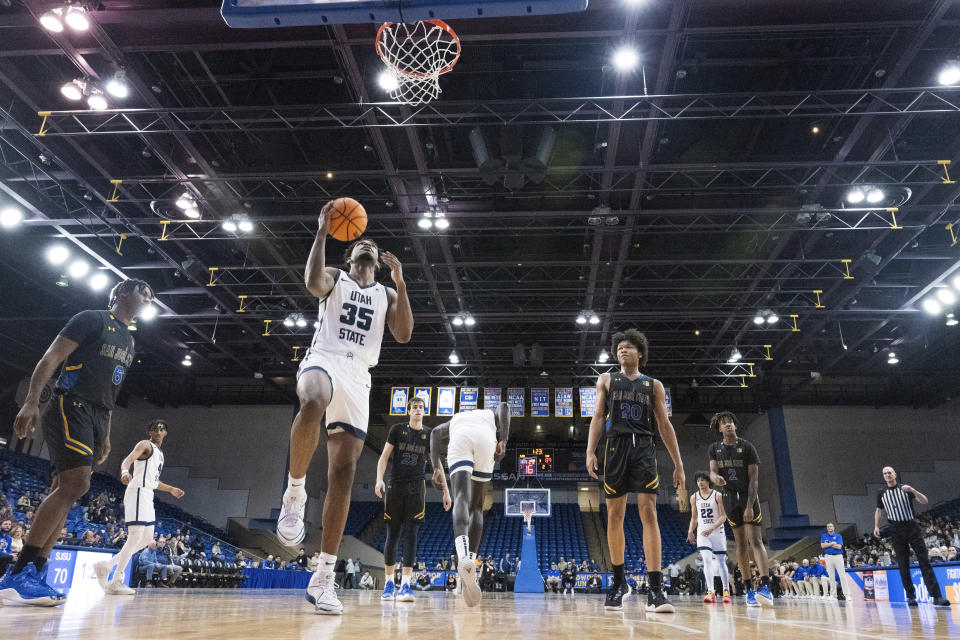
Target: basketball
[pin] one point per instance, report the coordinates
(348, 219)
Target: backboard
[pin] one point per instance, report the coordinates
(300, 13)
(514, 500)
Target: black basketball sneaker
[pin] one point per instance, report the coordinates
(657, 601)
(615, 596)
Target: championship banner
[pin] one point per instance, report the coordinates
(468, 398)
(491, 398)
(424, 394)
(564, 402)
(398, 400)
(515, 399)
(666, 392)
(588, 401)
(540, 403)
(446, 400)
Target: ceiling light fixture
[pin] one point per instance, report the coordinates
(117, 86)
(185, 201)
(96, 100)
(603, 357)
(457, 321)
(388, 81)
(454, 358)
(58, 254)
(289, 321)
(855, 195)
(73, 90)
(78, 269)
(874, 195)
(950, 74)
(10, 217)
(931, 306)
(76, 18)
(469, 321)
(148, 313)
(951, 320)
(625, 58)
(946, 296)
(99, 281)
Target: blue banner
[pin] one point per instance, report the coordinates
(491, 398)
(424, 394)
(666, 391)
(588, 401)
(398, 400)
(515, 398)
(468, 398)
(446, 400)
(540, 403)
(563, 402)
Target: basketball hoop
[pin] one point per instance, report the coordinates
(527, 517)
(417, 54)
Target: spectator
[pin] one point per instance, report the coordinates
(594, 582)
(488, 573)
(215, 548)
(673, 571)
(301, 560)
(451, 581)
(23, 502)
(367, 582)
(16, 539)
(314, 562)
(66, 537)
(439, 566)
(6, 551)
(568, 577)
(507, 566)
(356, 573)
(268, 562)
(423, 582)
(349, 569)
(241, 559)
(28, 519)
(951, 554)
(165, 563)
(451, 564)
(340, 569)
(553, 577)
(562, 564)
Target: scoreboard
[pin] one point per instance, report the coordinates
(532, 461)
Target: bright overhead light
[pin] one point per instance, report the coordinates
(329, 175)
(78, 269)
(58, 254)
(950, 74)
(72, 90)
(188, 357)
(625, 59)
(946, 296)
(735, 355)
(469, 321)
(245, 225)
(288, 321)
(192, 212)
(99, 281)
(118, 89)
(425, 223)
(441, 223)
(855, 195)
(581, 319)
(301, 322)
(10, 217)
(874, 195)
(603, 357)
(594, 319)
(773, 318)
(893, 360)
(814, 129)
(758, 319)
(97, 101)
(316, 324)
(457, 321)
(51, 20)
(388, 81)
(148, 313)
(454, 358)
(187, 362)
(229, 226)
(185, 201)
(931, 306)
(951, 320)
(76, 18)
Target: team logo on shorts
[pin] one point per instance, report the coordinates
(118, 374)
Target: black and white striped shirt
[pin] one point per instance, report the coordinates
(896, 503)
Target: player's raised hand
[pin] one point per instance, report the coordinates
(380, 488)
(26, 419)
(177, 492)
(323, 222)
(396, 269)
(592, 465)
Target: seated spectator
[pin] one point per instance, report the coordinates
(314, 562)
(561, 564)
(66, 537)
(165, 564)
(301, 561)
(6, 552)
(242, 560)
(553, 577)
(568, 577)
(951, 554)
(367, 582)
(594, 582)
(215, 548)
(268, 563)
(451, 564)
(423, 582)
(16, 539)
(934, 554)
(28, 518)
(439, 566)
(451, 581)
(23, 502)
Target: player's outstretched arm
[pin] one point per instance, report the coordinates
(177, 493)
(382, 469)
(141, 449)
(29, 414)
(668, 435)
(399, 314)
(318, 276)
(691, 532)
(596, 424)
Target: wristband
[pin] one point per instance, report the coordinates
(124, 472)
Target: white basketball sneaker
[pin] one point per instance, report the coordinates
(102, 570)
(120, 589)
(322, 594)
(467, 570)
(291, 529)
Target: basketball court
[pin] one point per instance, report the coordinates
(766, 189)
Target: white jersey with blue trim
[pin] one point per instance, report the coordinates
(351, 320)
(146, 473)
(707, 510)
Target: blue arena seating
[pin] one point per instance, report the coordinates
(361, 514)
(673, 536)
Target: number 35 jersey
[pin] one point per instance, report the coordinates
(630, 406)
(351, 320)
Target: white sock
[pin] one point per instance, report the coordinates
(327, 562)
(473, 557)
(296, 485)
(405, 579)
(462, 545)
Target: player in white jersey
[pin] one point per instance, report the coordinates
(334, 380)
(707, 518)
(476, 440)
(147, 461)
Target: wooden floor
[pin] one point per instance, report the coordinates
(206, 614)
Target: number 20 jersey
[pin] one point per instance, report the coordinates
(351, 320)
(630, 406)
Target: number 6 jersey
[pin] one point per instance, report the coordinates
(351, 320)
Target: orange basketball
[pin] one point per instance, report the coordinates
(348, 219)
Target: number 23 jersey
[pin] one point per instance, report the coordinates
(351, 319)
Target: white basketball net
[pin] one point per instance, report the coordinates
(527, 518)
(417, 55)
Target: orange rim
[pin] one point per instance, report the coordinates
(438, 23)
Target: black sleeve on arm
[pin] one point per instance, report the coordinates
(83, 326)
(393, 437)
(752, 457)
(880, 499)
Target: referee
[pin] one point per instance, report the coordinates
(896, 500)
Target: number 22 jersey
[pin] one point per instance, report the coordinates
(351, 320)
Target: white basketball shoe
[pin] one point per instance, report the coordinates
(291, 528)
(322, 594)
(467, 569)
(102, 571)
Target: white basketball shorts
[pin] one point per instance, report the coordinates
(473, 443)
(349, 408)
(138, 507)
(716, 541)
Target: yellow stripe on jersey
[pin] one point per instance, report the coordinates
(80, 447)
